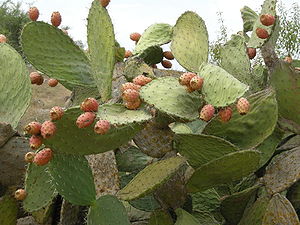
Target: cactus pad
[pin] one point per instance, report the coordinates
(190, 41)
(136, 66)
(168, 96)
(107, 210)
(206, 201)
(230, 167)
(39, 188)
(160, 217)
(180, 128)
(283, 171)
(15, 86)
(8, 210)
(220, 88)
(73, 140)
(49, 50)
(151, 178)
(101, 41)
(249, 18)
(200, 149)
(184, 218)
(258, 123)
(152, 55)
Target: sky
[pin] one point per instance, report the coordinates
(136, 15)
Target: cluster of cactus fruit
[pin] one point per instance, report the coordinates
(217, 144)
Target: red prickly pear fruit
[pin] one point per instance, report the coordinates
(56, 19)
(168, 55)
(128, 53)
(207, 112)
(267, 19)
(33, 13)
(52, 82)
(262, 33)
(102, 127)
(56, 113)
(185, 78)
(135, 36)
(288, 59)
(104, 3)
(35, 142)
(48, 129)
(3, 38)
(85, 119)
(189, 88)
(133, 105)
(20, 194)
(36, 78)
(89, 105)
(29, 157)
(196, 83)
(251, 52)
(130, 95)
(141, 80)
(225, 114)
(43, 157)
(130, 85)
(243, 106)
(166, 64)
(33, 128)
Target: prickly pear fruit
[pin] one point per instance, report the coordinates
(185, 78)
(2, 38)
(225, 114)
(52, 82)
(262, 33)
(166, 64)
(36, 78)
(35, 142)
(48, 129)
(168, 55)
(196, 83)
(130, 85)
(243, 106)
(43, 157)
(20, 194)
(33, 128)
(29, 156)
(33, 13)
(207, 112)
(130, 95)
(251, 52)
(288, 59)
(189, 88)
(128, 53)
(141, 80)
(104, 3)
(89, 105)
(56, 19)
(135, 36)
(267, 19)
(85, 119)
(56, 113)
(102, 127)
(133, 105)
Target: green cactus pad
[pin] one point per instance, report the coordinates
(39, 188)
(168, 96)
(269, 7)
(249, 17)
(255, 213)
(8, 210)
(206, 218)
(287, 85)
(180, 128)
(280, 211)
(73, 140)
(233, 206)
(136, 66)
(206, 201)
(52, 52)
(81, 93)
(220, 88)
(118, 114)
(151, 178)
(184, 218)
(160, 217)
(107, 210)
(73, 178)
(15, 86)
(200, 149)
(190, 41)
(293, 195)
(155, 35)
(101, 41)
(258, 123)
(147, 203)
(152, 55)
(235, 60)
(119, 54)
(45, 214)
(230, 167)
(283, 171)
